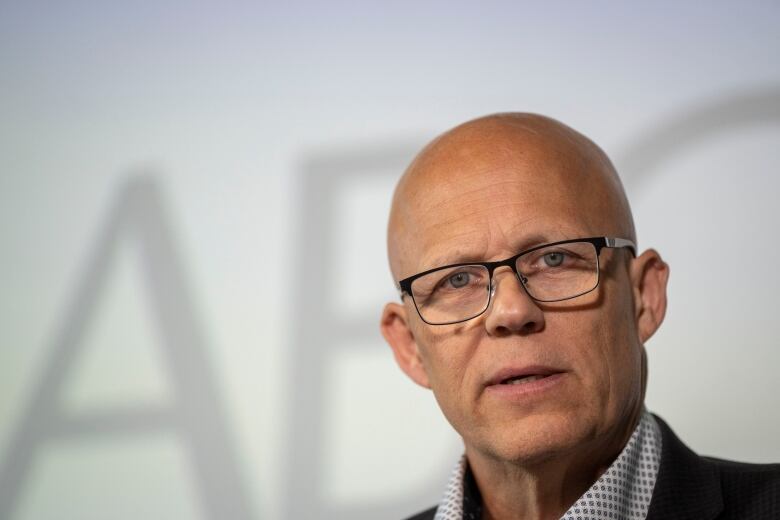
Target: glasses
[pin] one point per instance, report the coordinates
(549, 273)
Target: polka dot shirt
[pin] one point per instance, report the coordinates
(622, 492)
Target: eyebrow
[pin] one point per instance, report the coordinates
(460, 256)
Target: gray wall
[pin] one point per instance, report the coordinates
(192, 207)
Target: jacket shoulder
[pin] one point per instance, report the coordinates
(749, 490)
(428, 514)
(731, 468)
(690, 486)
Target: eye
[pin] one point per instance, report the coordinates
(459, 280)
(553, 259)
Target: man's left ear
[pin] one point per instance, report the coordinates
(649, 275)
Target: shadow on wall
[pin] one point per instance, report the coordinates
(197, 415)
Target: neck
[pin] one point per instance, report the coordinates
(546, 489)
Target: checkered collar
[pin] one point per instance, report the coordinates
(624, 490)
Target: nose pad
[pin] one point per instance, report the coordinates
(513, 312)
(494, 285)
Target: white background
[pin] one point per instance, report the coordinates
(226, 107)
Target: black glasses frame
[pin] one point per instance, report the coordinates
(405, 286)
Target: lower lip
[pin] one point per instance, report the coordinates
(523, 390)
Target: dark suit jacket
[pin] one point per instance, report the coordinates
(690, 487)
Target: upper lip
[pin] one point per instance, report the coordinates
(523, 371)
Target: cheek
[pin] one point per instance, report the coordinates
(445, 352)
(605, 357)
(617, 362)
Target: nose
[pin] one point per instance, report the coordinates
(511, 310)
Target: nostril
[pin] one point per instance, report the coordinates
(529, 327)
(502, 331)
(526, 328)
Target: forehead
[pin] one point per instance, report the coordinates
(480, 206)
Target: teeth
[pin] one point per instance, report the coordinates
(521, 380)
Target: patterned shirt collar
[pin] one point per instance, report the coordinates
(622, 491)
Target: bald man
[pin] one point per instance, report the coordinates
(525, 309)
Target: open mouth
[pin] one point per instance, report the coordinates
(524, 375)
(519, 380)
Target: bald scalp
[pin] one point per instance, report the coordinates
(517, 147)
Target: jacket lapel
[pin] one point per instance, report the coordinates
(687, 487)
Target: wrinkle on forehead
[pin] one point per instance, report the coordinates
(488, 163)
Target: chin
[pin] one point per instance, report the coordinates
(537, 438)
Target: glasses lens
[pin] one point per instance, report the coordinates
(452, 294)
(560, 272)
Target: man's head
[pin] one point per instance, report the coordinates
(487, 190)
